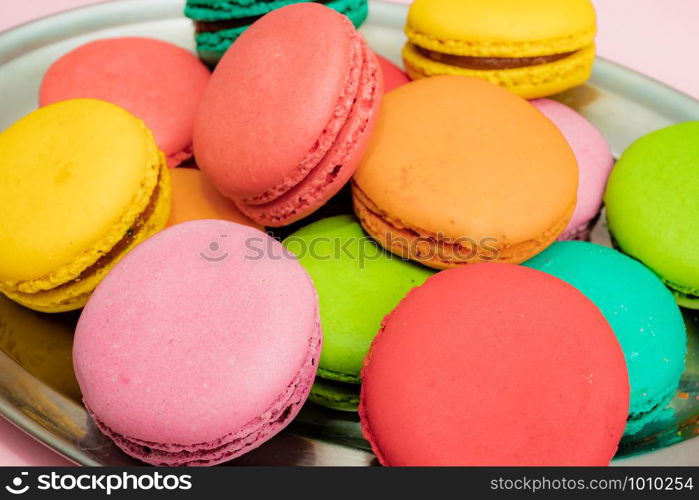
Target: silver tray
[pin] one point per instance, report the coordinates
(38, 392)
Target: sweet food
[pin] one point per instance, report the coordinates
(154, 80)
(642, 313)
(358, 283)
(194, 198)
(393, 76)
(200, 356)
(534, 50)
(281, 150)
(81, 183)
(595, 163)
(522, 370)
(652, 202)
(459, 171)
(219, 23)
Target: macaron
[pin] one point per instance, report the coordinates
(517, 362)
(358, 283)
(595, 163)
(460, 170)
(194, 198)
(287, 115)
(219, 23)
(642, 312)
(195, 349)
(393, 76)
(652, 202)
(535, 49)
(81, 183)
(154, 80)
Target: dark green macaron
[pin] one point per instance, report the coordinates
(218, 23)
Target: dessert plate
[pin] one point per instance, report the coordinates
(38, 391)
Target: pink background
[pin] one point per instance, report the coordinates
(655, 37)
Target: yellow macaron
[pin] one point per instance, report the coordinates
(81, 183)
(534, 48)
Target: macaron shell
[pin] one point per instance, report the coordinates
(516, 178)
(194, 198)
(640, 310)
(594, 159)
(225, 352)
(152, 79)
(528, 349)
(501, 28)
(60, 212)
(653, 207)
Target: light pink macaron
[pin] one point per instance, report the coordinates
(595, 163)
(200, 345)
(154, 80)
(288, 113)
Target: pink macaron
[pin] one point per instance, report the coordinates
(393, 76)
(200, 345)
(154, 80)
(595, 163)
(287, 115)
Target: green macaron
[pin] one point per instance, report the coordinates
(652, 202)
(218, 23)
(642, 312)
(358, 284)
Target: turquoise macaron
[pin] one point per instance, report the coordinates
(642, 312)
(358, 284)
(218, 23)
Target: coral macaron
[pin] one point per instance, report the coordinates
(154, 80)
(535, 48)
(288, 113)
(81, 183)
(200, 345)
(522, 370)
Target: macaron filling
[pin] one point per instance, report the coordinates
(324, 168)
(471, 62)
(280, 412)
(432, 249)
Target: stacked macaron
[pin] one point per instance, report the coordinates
(405, 209)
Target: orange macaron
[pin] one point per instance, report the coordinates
(460, 171)
(194, 198)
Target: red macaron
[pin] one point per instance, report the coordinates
(288, 112)
(495, 364)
